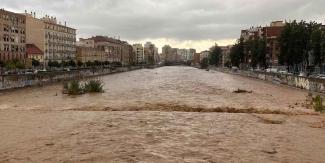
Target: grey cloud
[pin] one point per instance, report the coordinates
(177, 19)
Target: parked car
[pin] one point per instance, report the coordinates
(302, 74)
(40, 71)
(283, 72)
(321, 76)
(274, 70)
(235, 68)
(66, 69)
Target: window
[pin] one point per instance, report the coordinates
(6, 47)
(12, 38)
(5, 28)
(6, 38)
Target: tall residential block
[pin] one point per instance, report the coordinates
(55, 39)
(13, 36)
(139, 52)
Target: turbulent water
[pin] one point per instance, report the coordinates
(168, 114)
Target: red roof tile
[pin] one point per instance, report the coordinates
(33, 49)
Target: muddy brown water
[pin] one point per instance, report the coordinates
(168, 114)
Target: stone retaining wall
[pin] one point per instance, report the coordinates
(311, 84)
(20, 81)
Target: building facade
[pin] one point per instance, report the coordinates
(56, 40)
(196, 59)
(225, 55)
(13, 36)
(89, 54)
(115, 50)
(272, 33)
(150, 53)
(139, 52)
(169, 54)
(204, 54)
(60, 41)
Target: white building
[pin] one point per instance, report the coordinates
(139, 52)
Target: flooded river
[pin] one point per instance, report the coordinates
(168, 114)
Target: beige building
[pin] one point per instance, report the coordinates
(12, 36)
(85, 54)
(115, 50)
(169, 54)
(56, 40)
(35, 31)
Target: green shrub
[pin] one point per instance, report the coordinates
(73, 88)
(318, 104)
(94, 86)
(204, 63)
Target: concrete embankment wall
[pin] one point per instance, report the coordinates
(311, 84)
(20, 81)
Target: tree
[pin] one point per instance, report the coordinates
(204, 63)
(299, 41)
(15, 64)
(253, 46)
(89, 64)
(35, 63)
(106, 63)
(97, 63)
(72, 63)
(2, 64)
(64, 64)
(52, 64)
(80, 64)
(237, 53)
(214, 56)
(316, 45)
(261, 52)
(234, 55)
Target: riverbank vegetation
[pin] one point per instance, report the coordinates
(301, 47)
(93, 86)
(75, 87)
(318, 104)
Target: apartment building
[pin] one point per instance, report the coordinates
(139, 52)
(196, 59)
(150, 53)
(115, 50)
(272, 33)
(89, 54)
(204, 54)
(169, 54)
(60, 40)
(13, 36)
(56, 40)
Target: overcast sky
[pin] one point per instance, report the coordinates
(180, 23)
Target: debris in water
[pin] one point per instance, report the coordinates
(49, 144)
(242, 91)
